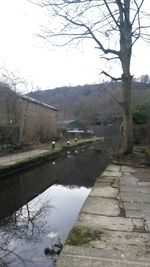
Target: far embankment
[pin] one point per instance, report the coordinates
(19, 161)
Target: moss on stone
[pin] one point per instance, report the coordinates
(83, 236)
(103, 177)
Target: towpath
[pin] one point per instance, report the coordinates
(17, 161)
(113, 227)
(14, 158)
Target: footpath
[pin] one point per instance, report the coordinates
(14, 158)
(113, 227)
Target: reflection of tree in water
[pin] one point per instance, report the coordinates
(10, 257)
(54, 250)
(23, 224)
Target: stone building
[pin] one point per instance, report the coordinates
(24, 119)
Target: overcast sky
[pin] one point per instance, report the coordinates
(48, 67)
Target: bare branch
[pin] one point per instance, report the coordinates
(111, 77)
(116, 100)
(111, 13)
(3, 262)
(108, 59)
(88, 32)
(136, 34)
(137, 12)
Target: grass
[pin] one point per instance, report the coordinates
(82, 236)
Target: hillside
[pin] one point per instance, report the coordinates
(90, 103)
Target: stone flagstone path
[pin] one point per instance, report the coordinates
(113, 227)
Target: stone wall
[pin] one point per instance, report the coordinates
(36, 122)
(39, 122)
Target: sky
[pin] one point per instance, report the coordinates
(47, 67)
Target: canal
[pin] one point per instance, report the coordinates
(39, 207)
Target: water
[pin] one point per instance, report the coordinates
(39, 207)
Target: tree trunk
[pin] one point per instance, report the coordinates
(125, 58)
(127, 116)
(23, 123)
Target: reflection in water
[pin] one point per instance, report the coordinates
(41, 218)
(36, 223)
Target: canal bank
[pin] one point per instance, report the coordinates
(113, 227)
(19, 161)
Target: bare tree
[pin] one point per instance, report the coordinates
(16, 85)
(114, 26)
(145, 78)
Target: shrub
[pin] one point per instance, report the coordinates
(9, 134)
(141, 112)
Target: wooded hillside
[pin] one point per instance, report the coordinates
(90, 103)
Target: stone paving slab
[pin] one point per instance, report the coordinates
(101, 206)
(128, 180)
(137, 214)
(109, 223)
(76, 261)
(102, 184)
(130, 252)
(114, 168)
(144, 184)
(91, 257)
(135, 188)
(145, 207)
(124, 239)
(97, 262)
(131, 188)
(135, 197)
(104, 179)
(104, 192)
(144, 190)
(128, 169)
(111, 173)
(133, 214)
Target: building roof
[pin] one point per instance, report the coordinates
(72, 125)
(5, 88)
(30, 99)
(68, 121)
